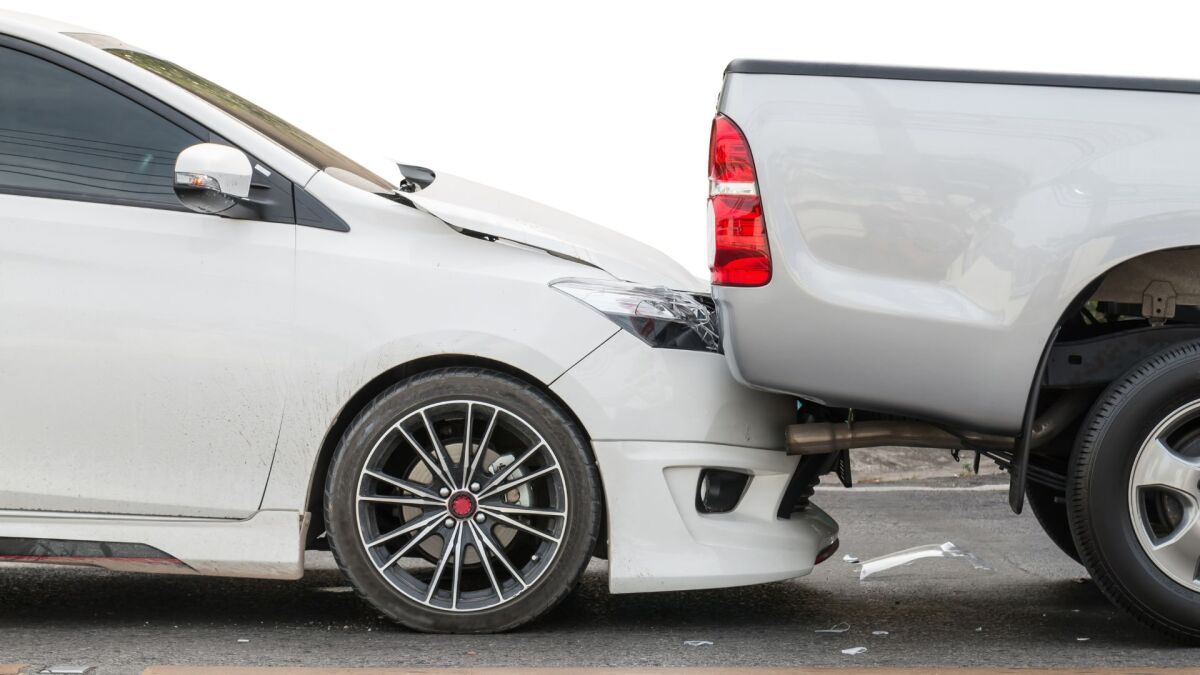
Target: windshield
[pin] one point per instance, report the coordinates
(266, 123)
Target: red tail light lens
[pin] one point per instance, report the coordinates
(740, 255)
(729, 155)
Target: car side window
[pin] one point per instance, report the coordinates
(64, 135)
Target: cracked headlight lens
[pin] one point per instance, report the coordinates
(659, 316)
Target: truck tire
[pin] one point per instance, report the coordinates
(1133, 492)
(1049, 506)
(449, 536)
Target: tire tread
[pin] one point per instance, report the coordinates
(1079, 493)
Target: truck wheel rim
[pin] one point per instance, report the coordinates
(496, 506)
(1164, 496)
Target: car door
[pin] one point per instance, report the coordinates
(142, 346)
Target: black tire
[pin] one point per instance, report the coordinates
(1099, 482)
(578, 530)
(1049, 506)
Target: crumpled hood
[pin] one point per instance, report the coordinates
(471, 206)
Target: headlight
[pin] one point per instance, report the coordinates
(659, 316)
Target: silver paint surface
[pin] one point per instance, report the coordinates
(927, 236)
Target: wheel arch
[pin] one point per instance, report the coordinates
(1116, 278)
(1128, 279)
(315, 501)
(1146, 281)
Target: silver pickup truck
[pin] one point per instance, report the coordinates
(1003, 263)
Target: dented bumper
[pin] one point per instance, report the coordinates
(657, 419)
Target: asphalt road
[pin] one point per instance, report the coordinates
(1033, 610)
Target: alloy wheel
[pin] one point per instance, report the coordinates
(461, 505)
(1164, 496)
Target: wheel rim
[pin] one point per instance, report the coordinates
(462, 506)
(1164, 496)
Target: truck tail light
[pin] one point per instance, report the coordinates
(739, 252)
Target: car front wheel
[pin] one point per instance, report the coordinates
(1133, 492)
(463, 501)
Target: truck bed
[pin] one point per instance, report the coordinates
(929, 228)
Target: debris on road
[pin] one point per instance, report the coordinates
(335, 589)
(879, 632)
(839, 628)
(698, 643)
(852, 559)
(1082, 639)
(243, 640)
(908, 556)
(854, 650)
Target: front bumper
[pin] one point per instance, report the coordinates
(658, 541)
(657, 418)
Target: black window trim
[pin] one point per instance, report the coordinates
(150, 103)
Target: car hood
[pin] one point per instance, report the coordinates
(470, 206)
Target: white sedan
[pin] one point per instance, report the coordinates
(224, 343)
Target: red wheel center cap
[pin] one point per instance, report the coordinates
(462, 505)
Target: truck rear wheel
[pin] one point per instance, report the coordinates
(1049, 506)
(1133, 492)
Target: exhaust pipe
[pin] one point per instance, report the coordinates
(823, 438)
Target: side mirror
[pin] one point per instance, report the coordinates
(212, 178)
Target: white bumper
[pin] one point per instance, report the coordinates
(658, 541)
(657, 418)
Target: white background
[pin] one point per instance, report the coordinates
(600, 109)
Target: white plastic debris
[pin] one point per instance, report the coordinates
(879, 632)
(854, 650)
(698, 643)
(1082, 639)
(852, 559)
(839, 628)
(910, 555)
(243, 640)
